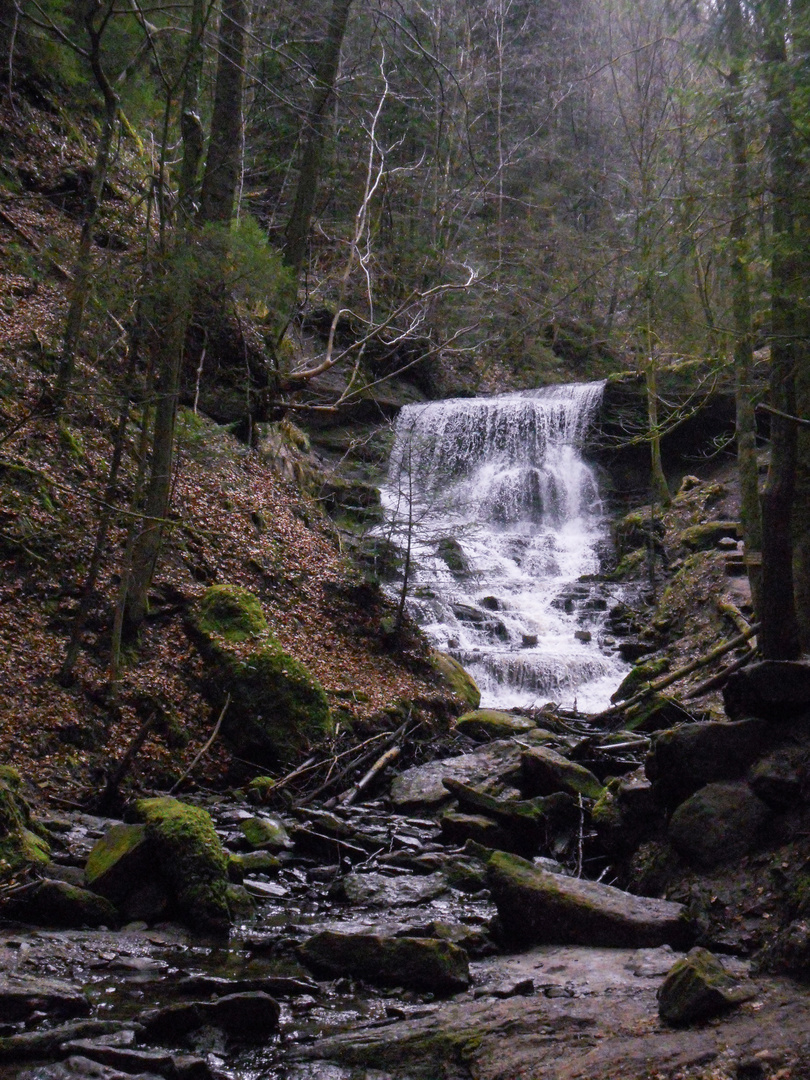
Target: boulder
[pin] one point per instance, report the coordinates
(421, 788)
(433, 964)
(265, 833)
(252, 862)
(656, 712)
(698, 987)
(276, 707)
(772, 689)
(545, 772)
(640, 674)
(251, 1016)
(685, 758)
(21, 996)
(56, 903)
(539, 908)
(484, 725)
(782, 779)
(120, 860)
(458, 828)
(718, 824)
(624, 815)
(454, 676)
(529, 823)
(19, 845)
(173, 856)
(705, 536)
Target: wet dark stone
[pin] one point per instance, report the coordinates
(22, 996)
(249, 1017)
(772, 689)
(420, 963)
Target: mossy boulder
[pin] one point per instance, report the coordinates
(545, 772)
(190, 859)
(655, 712)
(251, 862)
(20, 846)
(454, 676)
(698, 987)
(705, 536)
(267, 833)
(232, 613)
(452, 555)
(624, 815)
(276, 708)
(487, 724)
(418, 963)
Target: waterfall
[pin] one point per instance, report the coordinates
(504, 522)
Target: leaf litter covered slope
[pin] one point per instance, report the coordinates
(235, 521)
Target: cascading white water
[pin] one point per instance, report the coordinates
(502, 516)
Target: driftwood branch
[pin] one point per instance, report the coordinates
(718, 680)
(667, 680)
(381, 763)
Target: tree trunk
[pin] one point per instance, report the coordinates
(83, 266)
(779, 638)
(748, 470)
(297, 232)
(222, 163)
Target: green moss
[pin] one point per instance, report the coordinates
(231, 612)
(191, 858)
(641, 674)
(19, 845)
(456, 678)
(276, 707)
(451, 553)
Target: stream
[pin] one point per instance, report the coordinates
(500, 518)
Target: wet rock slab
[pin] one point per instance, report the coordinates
(593, 1014)
(421, 788)
(537, 907)
(432, 964)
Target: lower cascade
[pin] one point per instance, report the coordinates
(499, 522)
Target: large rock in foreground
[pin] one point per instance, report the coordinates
(418, 963)
(539, 908)
(175, 855)
(698, 987)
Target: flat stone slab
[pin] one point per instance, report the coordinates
(21, 996)
(421, 788)
(378, 890)
(537, 907)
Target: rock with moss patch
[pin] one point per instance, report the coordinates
(58, 904)
(252, 862)
(656, 712)
(190, 859)
(20, 846)
(539, 908)
(452, 555)
(698, 987)
(545, 772)
(486, 724)
(456, 678)
(276, 707)
(266, 833)
(703, 537)
(418, 963)
(640, 674)
(624, 815)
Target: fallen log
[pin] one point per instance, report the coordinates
(673, 676)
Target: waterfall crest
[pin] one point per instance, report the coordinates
(503, 516)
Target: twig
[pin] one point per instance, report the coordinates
(205, 748)
(581, 837)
